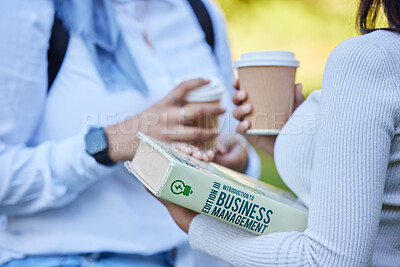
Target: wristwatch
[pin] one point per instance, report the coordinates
(97, 146)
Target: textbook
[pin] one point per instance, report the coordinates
(214, 190)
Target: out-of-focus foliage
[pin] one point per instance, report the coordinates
(310, 28)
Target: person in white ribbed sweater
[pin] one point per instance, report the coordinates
(345, 168)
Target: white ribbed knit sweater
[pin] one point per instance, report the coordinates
(340, 153)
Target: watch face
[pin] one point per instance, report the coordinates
(96, 141)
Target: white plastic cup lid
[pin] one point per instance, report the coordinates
(267, 58)
(206, 93)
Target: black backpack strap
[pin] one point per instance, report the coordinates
(204, 19)
(57, 48)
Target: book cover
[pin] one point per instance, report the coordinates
(214, 190)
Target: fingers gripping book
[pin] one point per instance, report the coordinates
(214, 190)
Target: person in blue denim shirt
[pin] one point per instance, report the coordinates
(60, 205)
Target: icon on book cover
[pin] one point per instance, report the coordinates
(179, 187)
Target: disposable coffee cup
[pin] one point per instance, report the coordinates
(268, 77)
(209, 93)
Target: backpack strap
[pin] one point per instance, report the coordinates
(59, 39)
(204, 19)
(57, 48)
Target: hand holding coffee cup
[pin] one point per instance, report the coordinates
(163, 120)
(266, 142)
(268, 78)
(198, 101)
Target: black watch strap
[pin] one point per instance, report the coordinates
(97, 146)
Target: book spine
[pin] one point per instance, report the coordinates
(219, 198)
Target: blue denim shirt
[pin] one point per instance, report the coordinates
(54, 197)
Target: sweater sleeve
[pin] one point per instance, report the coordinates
(356, 124)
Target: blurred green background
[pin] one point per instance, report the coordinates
(309, 28)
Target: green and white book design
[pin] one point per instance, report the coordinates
(214, 190)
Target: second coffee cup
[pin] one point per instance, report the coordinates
(268, 77)
(209, 93)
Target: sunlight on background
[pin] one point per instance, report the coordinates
(309, 28)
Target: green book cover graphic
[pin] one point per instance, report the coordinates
(214, 190)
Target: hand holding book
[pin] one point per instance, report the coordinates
(226, 155)
(182, 216)
(231, 152)
(194, 151)
(213, 190)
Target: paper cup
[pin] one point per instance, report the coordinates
(268, 77)
(209, 93)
